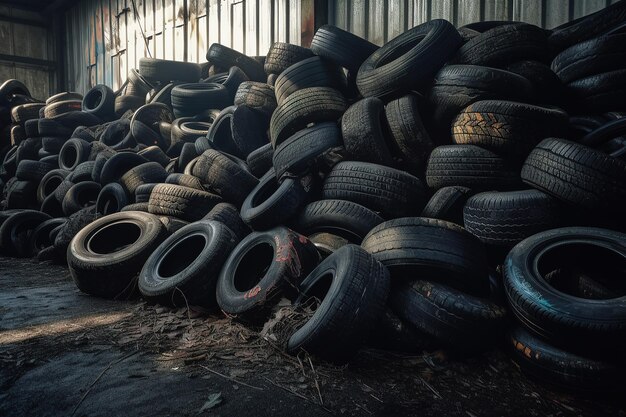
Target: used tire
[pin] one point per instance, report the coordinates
(262, 268)
(105, 257)
(228, 214)
(283, 55)
(150, 172)
(389, 191)
(182, 202)
(183, 270)
(227, 57)
(577, 324)
(453, 318)
(16, 230)
(257, 96)
(430, 249)
(577, 175)
(341, 47)
(508, 127)
(309, 105)
(409, 61)
(308, 73)
(447, 204)
(111, 199)
(349, 220)
(471, 166)
(363, 132)
(260, 160)
(350, 290)
(79, 196)
(100, 101)
(272, 203)
(165, 71)
(507, 218)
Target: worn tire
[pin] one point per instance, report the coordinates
(447, 204)
(182, 202)
(341, 47)
(431, 250)
(183, 270)
(364, 134)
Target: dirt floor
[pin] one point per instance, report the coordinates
(63, 353)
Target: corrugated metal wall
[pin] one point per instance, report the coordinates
(105, 38)
(382, 20)
(27, 41)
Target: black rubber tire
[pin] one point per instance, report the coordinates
(73, 153)
(430, 249)
(547, 87)
(100, 101)
(471, 166)
(52, 144)
(407, 132)
(150, 172)
(238, 130)
(345, 311)
(50, 182)
(302, 152)
(16, 230)
(260, 160)
(507, 218)
(560, 368)
(363, 132)
(192, 99)
(341, 47)
(105, 256)
(409, 61)
(262, 268)
(116, 166)
(142, 193)
(231, 79)
(24, 112)
(164, 71)
(309, 105)
(504, 45)
(79, 196)
(111, 199)
(61, 190)
(272, 203)
(256, 95)
(228, 214)
(115, 132)
(457, 86)
(308, 73)
(21, 194)
(155, 154)
(346, 219)
(144, 124)
(588, 27)
(40, 237)
(143, 207)
(138, 85)
(391, 192)
(599, 93)
(224, 175)
(188, 129)
(577, 175)
(33, 170)
(82, 172)
(453, 318)
(604, 133)
(594, 56)
(508, 127)
(182, 202)
(227, 57)
(577, 324)
(447, 204)
(128, 103)
(184, 269)
(185, 180)
(187, 154)
(72, 226)
(64, 96)
(283, 55)
(31, 128)
(62, 107)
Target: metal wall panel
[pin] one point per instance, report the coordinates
(106, 38)
(381, 20)
(27, 40)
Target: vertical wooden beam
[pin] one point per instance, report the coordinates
(313, 14)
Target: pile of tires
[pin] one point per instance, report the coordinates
(411, 196)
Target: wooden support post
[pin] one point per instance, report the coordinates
(314, 13)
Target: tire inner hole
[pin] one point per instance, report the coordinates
(317, 292)
(181, 256)
(114, 238)
(584, 270)
(253, 266)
